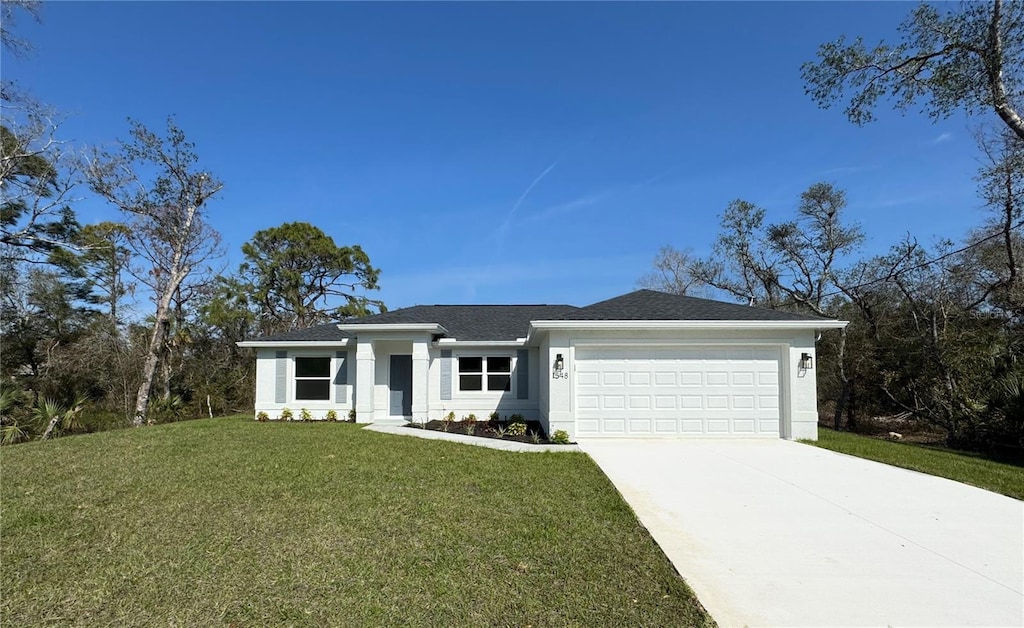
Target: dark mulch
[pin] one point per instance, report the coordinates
(487, 429)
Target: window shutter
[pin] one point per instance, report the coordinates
(341, 378)
(446, 374)
(523, 374)
(280, 376)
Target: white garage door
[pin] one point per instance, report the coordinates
(715, 391)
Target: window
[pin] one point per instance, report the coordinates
(494, 371)
(312, 379)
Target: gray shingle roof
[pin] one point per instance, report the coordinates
(647, 305)
(472, 322)
(508, 322)
(324, 332)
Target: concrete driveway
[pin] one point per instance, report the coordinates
(777, 533)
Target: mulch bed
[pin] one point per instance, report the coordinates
(487, 429)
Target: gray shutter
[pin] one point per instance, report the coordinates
(446, 374)
(523, 374)
(341, 378)
(281, 376)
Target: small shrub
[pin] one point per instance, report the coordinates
(286, 414)
(262, 417)
(469, 419)
(470, 429)
(305, 415)
(517, 429)
(517, 418)
(500, 432)
(560, 437)
(449, 418)
(352, 415)
(535, 437)
(331, 415)
(494, 416)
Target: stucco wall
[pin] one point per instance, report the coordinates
(266, 383)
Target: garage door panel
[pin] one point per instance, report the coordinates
(718, 426)
(639, 426)
(743, 378)
(768, 402)
(665, 402)
(717, 391)
(716, 378)
(768, 378)
(665, 378)
(743, 426)
(639, 402)
(717, 402)
(614, 426)
(691, 379)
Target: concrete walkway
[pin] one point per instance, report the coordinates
(777, 533)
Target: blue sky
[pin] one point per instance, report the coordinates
(500, 152)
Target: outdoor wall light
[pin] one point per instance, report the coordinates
(559, 363)
(806, 361)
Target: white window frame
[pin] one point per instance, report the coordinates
(484, 373)
(331, 374)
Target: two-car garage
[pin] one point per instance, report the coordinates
(638, 391)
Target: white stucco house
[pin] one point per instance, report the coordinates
(646, 364)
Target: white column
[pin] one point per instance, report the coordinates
(420, 378)
(560, 411)
(364, 381)
(802, 390)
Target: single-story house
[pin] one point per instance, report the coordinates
(645, 364)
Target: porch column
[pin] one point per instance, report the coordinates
(420, 378)
(560, 404)
(364, 380)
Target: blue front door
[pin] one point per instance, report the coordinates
(400, 385)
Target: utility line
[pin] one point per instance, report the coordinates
(893, 274)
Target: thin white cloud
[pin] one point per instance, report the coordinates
(943, 137)
(569, 206)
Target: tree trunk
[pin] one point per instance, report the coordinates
(156, 343)
(53, 424)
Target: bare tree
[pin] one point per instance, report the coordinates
(157, 183)
(1001, 186)
(673, 273)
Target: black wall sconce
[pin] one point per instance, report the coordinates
(559, 363)
(806, 361)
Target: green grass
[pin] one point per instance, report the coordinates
(229, 521)
(960, 466)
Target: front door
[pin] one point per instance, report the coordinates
(400, 386)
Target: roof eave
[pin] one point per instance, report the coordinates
(431, 328)
(260, 344)
(687, 324)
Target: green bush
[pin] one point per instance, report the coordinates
(517, 429)
(517, 418)
(286, 414)
(494, 416)
(560, 437)
(305, 415)
(449, 418)
(262, 417)
(470, 419)
(535, 437)
(352, 415)
(331, 415)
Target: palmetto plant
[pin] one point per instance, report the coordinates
(10, 431)
(58, 417)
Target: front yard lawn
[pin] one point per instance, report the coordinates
(963, 467)
(229, 521)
